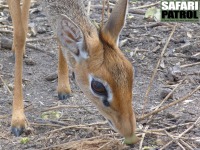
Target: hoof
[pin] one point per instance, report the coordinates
(64, 96)
(17, 131)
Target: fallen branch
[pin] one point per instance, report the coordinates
(155, 70)
(166, 98)
(186, 144)
(6, 86)
(137, 11)
(105, 141)
(170, 128)
(146, 6)
(7, 44)
(61, 107)
(6, 26)
(189, 65)
(166, 145)
(143, 135)
(171, 104)
(174, 140)
(192, 126)
(186, 46)
(187, 57)
(177, 139)
(6, 31)
(77, 126)
(152, 25)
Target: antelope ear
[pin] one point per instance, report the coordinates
(71, 37)
(113, 27)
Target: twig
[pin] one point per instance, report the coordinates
(171, 104)
(76, 126)
(6, 31)
(143, 135)
(146, 6)
(5, 116)
(170, 128)
(152, 25)
(7, 43)
(137, 11)
(45, 124)
(39, 49)
(103, 146)
(197, 54)
(133, 11)
(186, 46)
(162, 134)
(4, 137)
(166, 145)
(174, 140)
(186, 144)
(40, 39)
(3, 6)
(61, 107)
(102, 15)
(67, 106)
(4, 83)
(6, 26)
(189, 65)
(166, 98)
(192, 126)
(88, 8)
(183, 148)
(108, 8)
(155, 70)
(78, 141)
(187, 57)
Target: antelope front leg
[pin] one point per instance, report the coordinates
(64, 89)
(24, 19)
(18, 122)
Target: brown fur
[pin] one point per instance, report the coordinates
(105, 60)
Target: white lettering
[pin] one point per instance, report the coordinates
(190, 6)
(164, 5)
(180, 5)
(172, 6)
(183, 6)
(196, 6)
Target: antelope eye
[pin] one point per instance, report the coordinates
(98, 88)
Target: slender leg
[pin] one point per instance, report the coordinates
(64, 89)
(24, 19)
(25, 16)
(18, 118)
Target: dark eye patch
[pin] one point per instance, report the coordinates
(106, 103)
(99, 88)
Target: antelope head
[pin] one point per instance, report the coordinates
(102, 71)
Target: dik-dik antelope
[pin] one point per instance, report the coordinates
(101, 70)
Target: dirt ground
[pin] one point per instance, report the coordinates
(76, 123)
